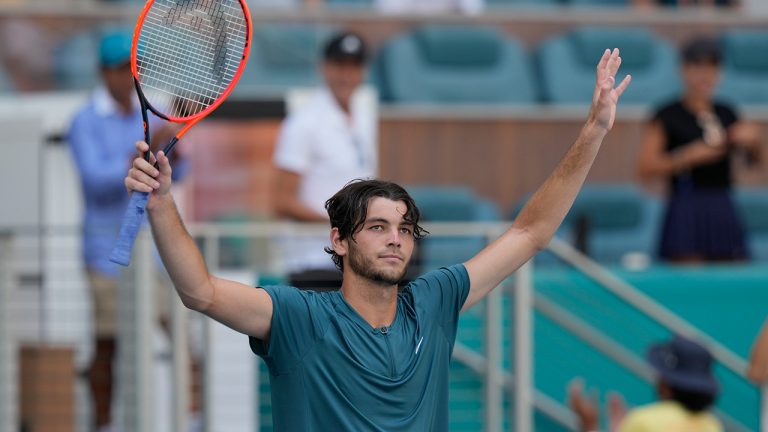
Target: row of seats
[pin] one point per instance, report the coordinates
(470, 64)
(448, 64)
(609, 221)
(263, 4)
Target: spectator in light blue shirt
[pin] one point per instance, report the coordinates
(102, 138)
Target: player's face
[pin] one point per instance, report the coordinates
(382, 249)
(343, 78)
(701, 78)
(119, 82)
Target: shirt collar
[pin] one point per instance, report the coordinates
(336, 108)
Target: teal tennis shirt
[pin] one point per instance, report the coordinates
(331, 371)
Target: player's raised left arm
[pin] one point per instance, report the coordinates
(545, 211)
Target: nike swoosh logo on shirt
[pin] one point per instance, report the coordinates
(418, 345)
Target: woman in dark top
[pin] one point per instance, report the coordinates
(692, 143)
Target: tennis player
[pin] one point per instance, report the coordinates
(367, 357)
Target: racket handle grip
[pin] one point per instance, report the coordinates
(132, 220)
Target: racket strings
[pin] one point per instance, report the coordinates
(189, 52)
(201, 77)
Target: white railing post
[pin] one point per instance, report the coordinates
(211, 254)
(8, 370)
(137, 387)
(181, 363)
(522, 402)
(493, 376)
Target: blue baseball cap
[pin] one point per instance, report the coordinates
(115, 48)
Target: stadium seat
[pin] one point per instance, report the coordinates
(609, 221)
(522, 3)
(745, 67)
(620, 219)
(450, 204)
(282, 56)
(567, 65)
(76, 63)
(599, 3)
(454, 64)
(753, 206)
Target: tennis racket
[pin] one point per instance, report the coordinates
(186, 58)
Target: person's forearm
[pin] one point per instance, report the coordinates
(546, 209)
(294, 209)
(669, 163)
(180, 254)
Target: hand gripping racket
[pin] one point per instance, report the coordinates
(186, 58)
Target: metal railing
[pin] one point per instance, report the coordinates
(521, 388)
(516, 382)
(8, 392)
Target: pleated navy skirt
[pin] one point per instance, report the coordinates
(702, 223)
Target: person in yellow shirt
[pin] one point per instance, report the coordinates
(686, 387)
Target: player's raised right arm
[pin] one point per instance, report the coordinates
(238, 306)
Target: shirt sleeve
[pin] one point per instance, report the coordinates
(102, 172)
(297, 322)
(294, 146)
(442, 293)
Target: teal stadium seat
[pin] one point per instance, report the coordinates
(745, 67)
(454, 64)
(76, 63)
(282, 56)
(450, 204)
(599, 3)
(522, 3)
(567, 65)
(752, 203)
(617, 219)
(620, 218)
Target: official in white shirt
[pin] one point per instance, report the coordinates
(321, 147)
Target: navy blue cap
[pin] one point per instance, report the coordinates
(345, 46)
(684, 364)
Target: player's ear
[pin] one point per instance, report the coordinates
(338, 244)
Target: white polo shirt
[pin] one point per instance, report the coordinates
(327, 148)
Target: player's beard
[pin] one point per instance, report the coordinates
(366, 267)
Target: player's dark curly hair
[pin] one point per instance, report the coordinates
(348, 209)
